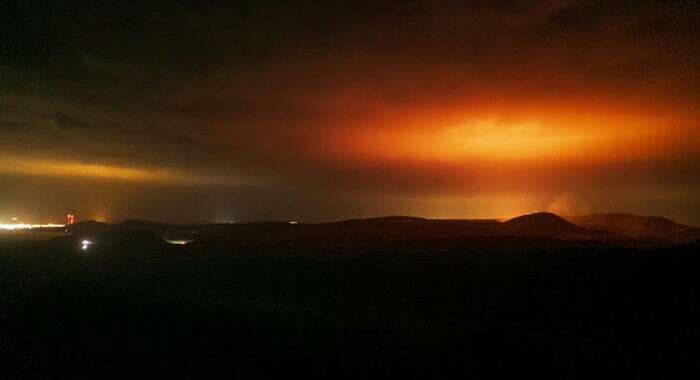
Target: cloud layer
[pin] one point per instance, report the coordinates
(437, 108)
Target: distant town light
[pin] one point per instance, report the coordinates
(22, 226)
(294, 222)
(178, 241)
(85, 244)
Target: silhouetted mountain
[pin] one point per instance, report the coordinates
(137, 225)
(401, 305)
(118, 243)
(549, 225)
(639, 227)
(383, 220)
(87, 227)
(409, 234)
(357, 236)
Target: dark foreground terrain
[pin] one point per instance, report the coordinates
(139, 306)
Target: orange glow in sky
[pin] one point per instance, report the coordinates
(510, 136)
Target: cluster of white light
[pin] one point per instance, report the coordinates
(85, 244)
(22, 226)
(178, 241)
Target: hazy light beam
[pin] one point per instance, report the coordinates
(40, 167)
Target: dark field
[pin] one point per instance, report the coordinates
(164, 310)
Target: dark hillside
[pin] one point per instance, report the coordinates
(487, 306)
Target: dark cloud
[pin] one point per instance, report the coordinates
(12, 125)
(65, 121)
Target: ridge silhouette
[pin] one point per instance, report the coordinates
(542, 230)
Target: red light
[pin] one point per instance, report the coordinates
(70, 219)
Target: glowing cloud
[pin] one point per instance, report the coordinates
(489, 138)
(539, 134)
(40, 167)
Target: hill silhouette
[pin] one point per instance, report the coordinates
(409, 295)
(547, 224)
(639, 227)
(88, 226)
(540, 230)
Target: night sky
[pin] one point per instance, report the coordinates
(210, 111)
